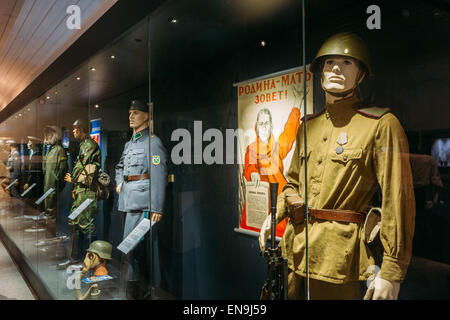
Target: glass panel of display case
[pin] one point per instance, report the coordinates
(228, 87)
(119, 114)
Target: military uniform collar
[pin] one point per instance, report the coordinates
(343, 108)
(140, 134)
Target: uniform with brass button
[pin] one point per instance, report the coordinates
(366, 150)
(134, 180)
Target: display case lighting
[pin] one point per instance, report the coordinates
(78, 78)
(93, 69)
(113, 56)
(263, 43)
(96, 106)
(173, 20)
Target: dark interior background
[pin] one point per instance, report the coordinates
(193, 64)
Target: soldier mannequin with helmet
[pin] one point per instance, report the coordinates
(353, 151)
(85, 169)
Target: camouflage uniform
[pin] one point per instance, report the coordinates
(89, 155)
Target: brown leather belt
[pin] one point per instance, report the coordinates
(136, 177)
(337, 215)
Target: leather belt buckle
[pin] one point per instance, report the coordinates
(125, 178)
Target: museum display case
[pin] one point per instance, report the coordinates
(175, 133)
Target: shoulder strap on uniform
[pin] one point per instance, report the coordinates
(314, 115)
(374, 112)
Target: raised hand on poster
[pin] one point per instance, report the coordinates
(298, 94)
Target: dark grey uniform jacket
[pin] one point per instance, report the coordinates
(135, 195)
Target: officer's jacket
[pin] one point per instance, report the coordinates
(135, 195)
(55, 167)
(375, 155)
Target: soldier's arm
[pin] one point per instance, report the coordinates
(119, 167)
(393, 170)
(61, 164)
(158, 177)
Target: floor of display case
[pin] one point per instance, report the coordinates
(28, 234)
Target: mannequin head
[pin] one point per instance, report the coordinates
(343, 61)
(80, 129)
(341, 76)
(97, 257)
(52, 135)
(32, 142)
(138, 115)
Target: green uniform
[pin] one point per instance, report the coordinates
(54, 166)
(89, 155)
(351, 153)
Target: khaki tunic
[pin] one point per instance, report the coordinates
(375, 156)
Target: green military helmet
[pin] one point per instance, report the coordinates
(343, 44)
(81, 123)
(102, 248)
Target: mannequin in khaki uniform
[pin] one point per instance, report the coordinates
(352, 151)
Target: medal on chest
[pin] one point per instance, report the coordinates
(342, 140)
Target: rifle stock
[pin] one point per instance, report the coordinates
(275, 287)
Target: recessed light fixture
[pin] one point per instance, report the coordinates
(48, 97)
(263, 43)
(20, 114)
(96, 106)
(173, 20)
(78, 78)
(113, 56)
(93, 69)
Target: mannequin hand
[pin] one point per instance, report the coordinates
(118, 188)
(156, 217)
(68, 178)
(295, 207)
(382, 289)
(25, 187)
(264, 233)
(16, 183)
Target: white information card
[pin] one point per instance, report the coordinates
(80, 209)
(28, 190)
(135, 236)
(45, 195)
(11, 184)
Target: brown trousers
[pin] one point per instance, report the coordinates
(321, 290)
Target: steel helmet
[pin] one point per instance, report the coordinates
(102, 248)
(343, 44)
(82, 124)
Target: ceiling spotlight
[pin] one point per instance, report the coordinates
(93, 69)
(20, 114)
(113, 57)
(48, 97)
(96, 106)
(29, 109)
(78, 78)
(263, 43)
(173, 20)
